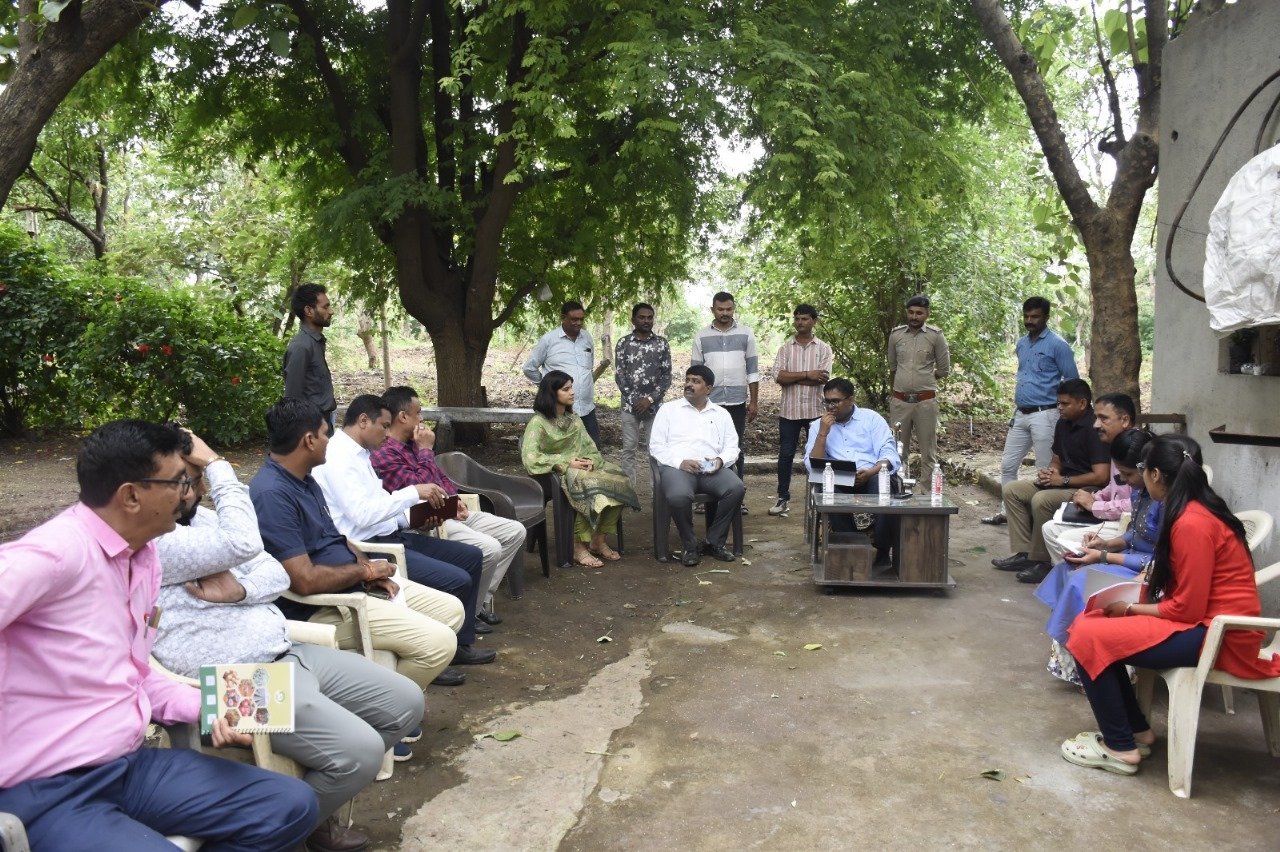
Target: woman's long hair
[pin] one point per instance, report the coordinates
(1129, 446)
(545, 402)
(1178, 459)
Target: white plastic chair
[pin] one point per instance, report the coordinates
(1186, 685)
(356, 603)
(1257, 531)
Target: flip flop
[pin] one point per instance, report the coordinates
(1087, 750)
(582, 561)
(1144, 750)
(608, 554)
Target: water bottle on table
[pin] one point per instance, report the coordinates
(935, 489)
(828, 483)
(882, 479)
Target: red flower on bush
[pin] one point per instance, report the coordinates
(166, 350)
(235, 380)
(47, 358)
(144, 348)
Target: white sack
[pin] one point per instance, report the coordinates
(1242, 253)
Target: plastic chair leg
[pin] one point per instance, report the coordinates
(1228, 700)
(1269, 707)
(1184, 721)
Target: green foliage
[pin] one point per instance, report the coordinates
(40, 318)
(163, 354)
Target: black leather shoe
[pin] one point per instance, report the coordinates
(450, 677)
(481, 628)
(489, 617)
(724, 554)
(1035, 572)
(690, 558)
(996, 520)
(333, 836)
(1008, 563)
(467, 655)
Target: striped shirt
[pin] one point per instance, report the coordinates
(800, 401)
(731, 355)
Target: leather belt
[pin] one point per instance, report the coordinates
(922, 396)
(1035, 409)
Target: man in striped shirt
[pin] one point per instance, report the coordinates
(729, 350)
(802, 366)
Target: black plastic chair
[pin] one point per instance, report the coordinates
(562, 514)
(519, 498)
(662, 517)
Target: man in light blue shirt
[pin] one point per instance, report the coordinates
(849, 433)
(1045, 361)
(570, 349)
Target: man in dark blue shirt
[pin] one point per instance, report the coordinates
(1045, 361)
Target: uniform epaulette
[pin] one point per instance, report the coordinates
(899, 328)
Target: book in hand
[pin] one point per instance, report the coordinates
(424, 514)
(254, 698)
(1102, 588)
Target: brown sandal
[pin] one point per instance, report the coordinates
(607, 553)
(582, 560)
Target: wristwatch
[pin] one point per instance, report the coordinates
(1066, 481)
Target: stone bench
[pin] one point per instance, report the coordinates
(445, 418)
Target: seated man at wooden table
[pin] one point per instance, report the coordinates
(692, 441)
(77, 618)
(296, 529)
(217, 599)
(1080, 460)
(849, 433)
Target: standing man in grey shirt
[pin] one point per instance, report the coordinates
(570, 349)
(729, 350)
(306, 372)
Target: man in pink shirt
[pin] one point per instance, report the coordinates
(77, 620)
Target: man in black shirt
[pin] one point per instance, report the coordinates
(1080, 460)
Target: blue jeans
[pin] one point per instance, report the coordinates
(1112, 698)
(788, 440)
(446, 566)
(133, 802)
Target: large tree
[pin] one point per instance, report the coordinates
(54, 44)
(1132, 35)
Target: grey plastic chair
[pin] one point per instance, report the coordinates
(519, 498)
(662, 518)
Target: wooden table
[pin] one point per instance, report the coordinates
(446, 417)
(920, 553)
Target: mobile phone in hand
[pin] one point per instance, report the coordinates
(377, 592)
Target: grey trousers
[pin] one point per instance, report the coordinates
(678, 488)
(635, 442)
(348, 711)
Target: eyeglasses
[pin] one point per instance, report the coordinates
(832, 403)
(183, 483)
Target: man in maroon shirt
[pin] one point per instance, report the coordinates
(407, 458)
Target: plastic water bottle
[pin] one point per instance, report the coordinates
(882, 480)
(828, 483)
(935, 489)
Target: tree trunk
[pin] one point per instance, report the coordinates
(459, 367)
(68, 48)
(1113, 327)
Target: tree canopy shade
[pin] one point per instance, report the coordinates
(490, 148)
(1129, 35)
(52, 45)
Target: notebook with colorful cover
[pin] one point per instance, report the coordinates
(254, 698)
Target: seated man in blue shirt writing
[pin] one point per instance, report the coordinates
(849, 433)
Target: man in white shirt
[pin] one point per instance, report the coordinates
(694, 440)
(362, 510)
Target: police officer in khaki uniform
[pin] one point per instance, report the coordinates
(918, 357)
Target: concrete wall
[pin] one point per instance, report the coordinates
(1208, 72)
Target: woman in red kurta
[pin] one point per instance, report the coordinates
(1201, 568)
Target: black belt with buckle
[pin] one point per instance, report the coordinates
(1035, 409)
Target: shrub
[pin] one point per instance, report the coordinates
(40, 318)
(176, 353)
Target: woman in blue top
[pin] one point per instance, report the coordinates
(1124, 556)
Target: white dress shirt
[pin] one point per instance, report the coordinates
(681, 432)
(360, 507)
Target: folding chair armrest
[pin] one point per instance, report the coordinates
(1266, 575)
(312, 633)
(394, 552)
(355, 602)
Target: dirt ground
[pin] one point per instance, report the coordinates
(660, 707)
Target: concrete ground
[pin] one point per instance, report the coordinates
(704, 724)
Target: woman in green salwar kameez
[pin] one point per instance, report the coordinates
(555, 440)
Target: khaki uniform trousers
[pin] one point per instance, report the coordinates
(1028, 508)
(920, 418)
(422, 632)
